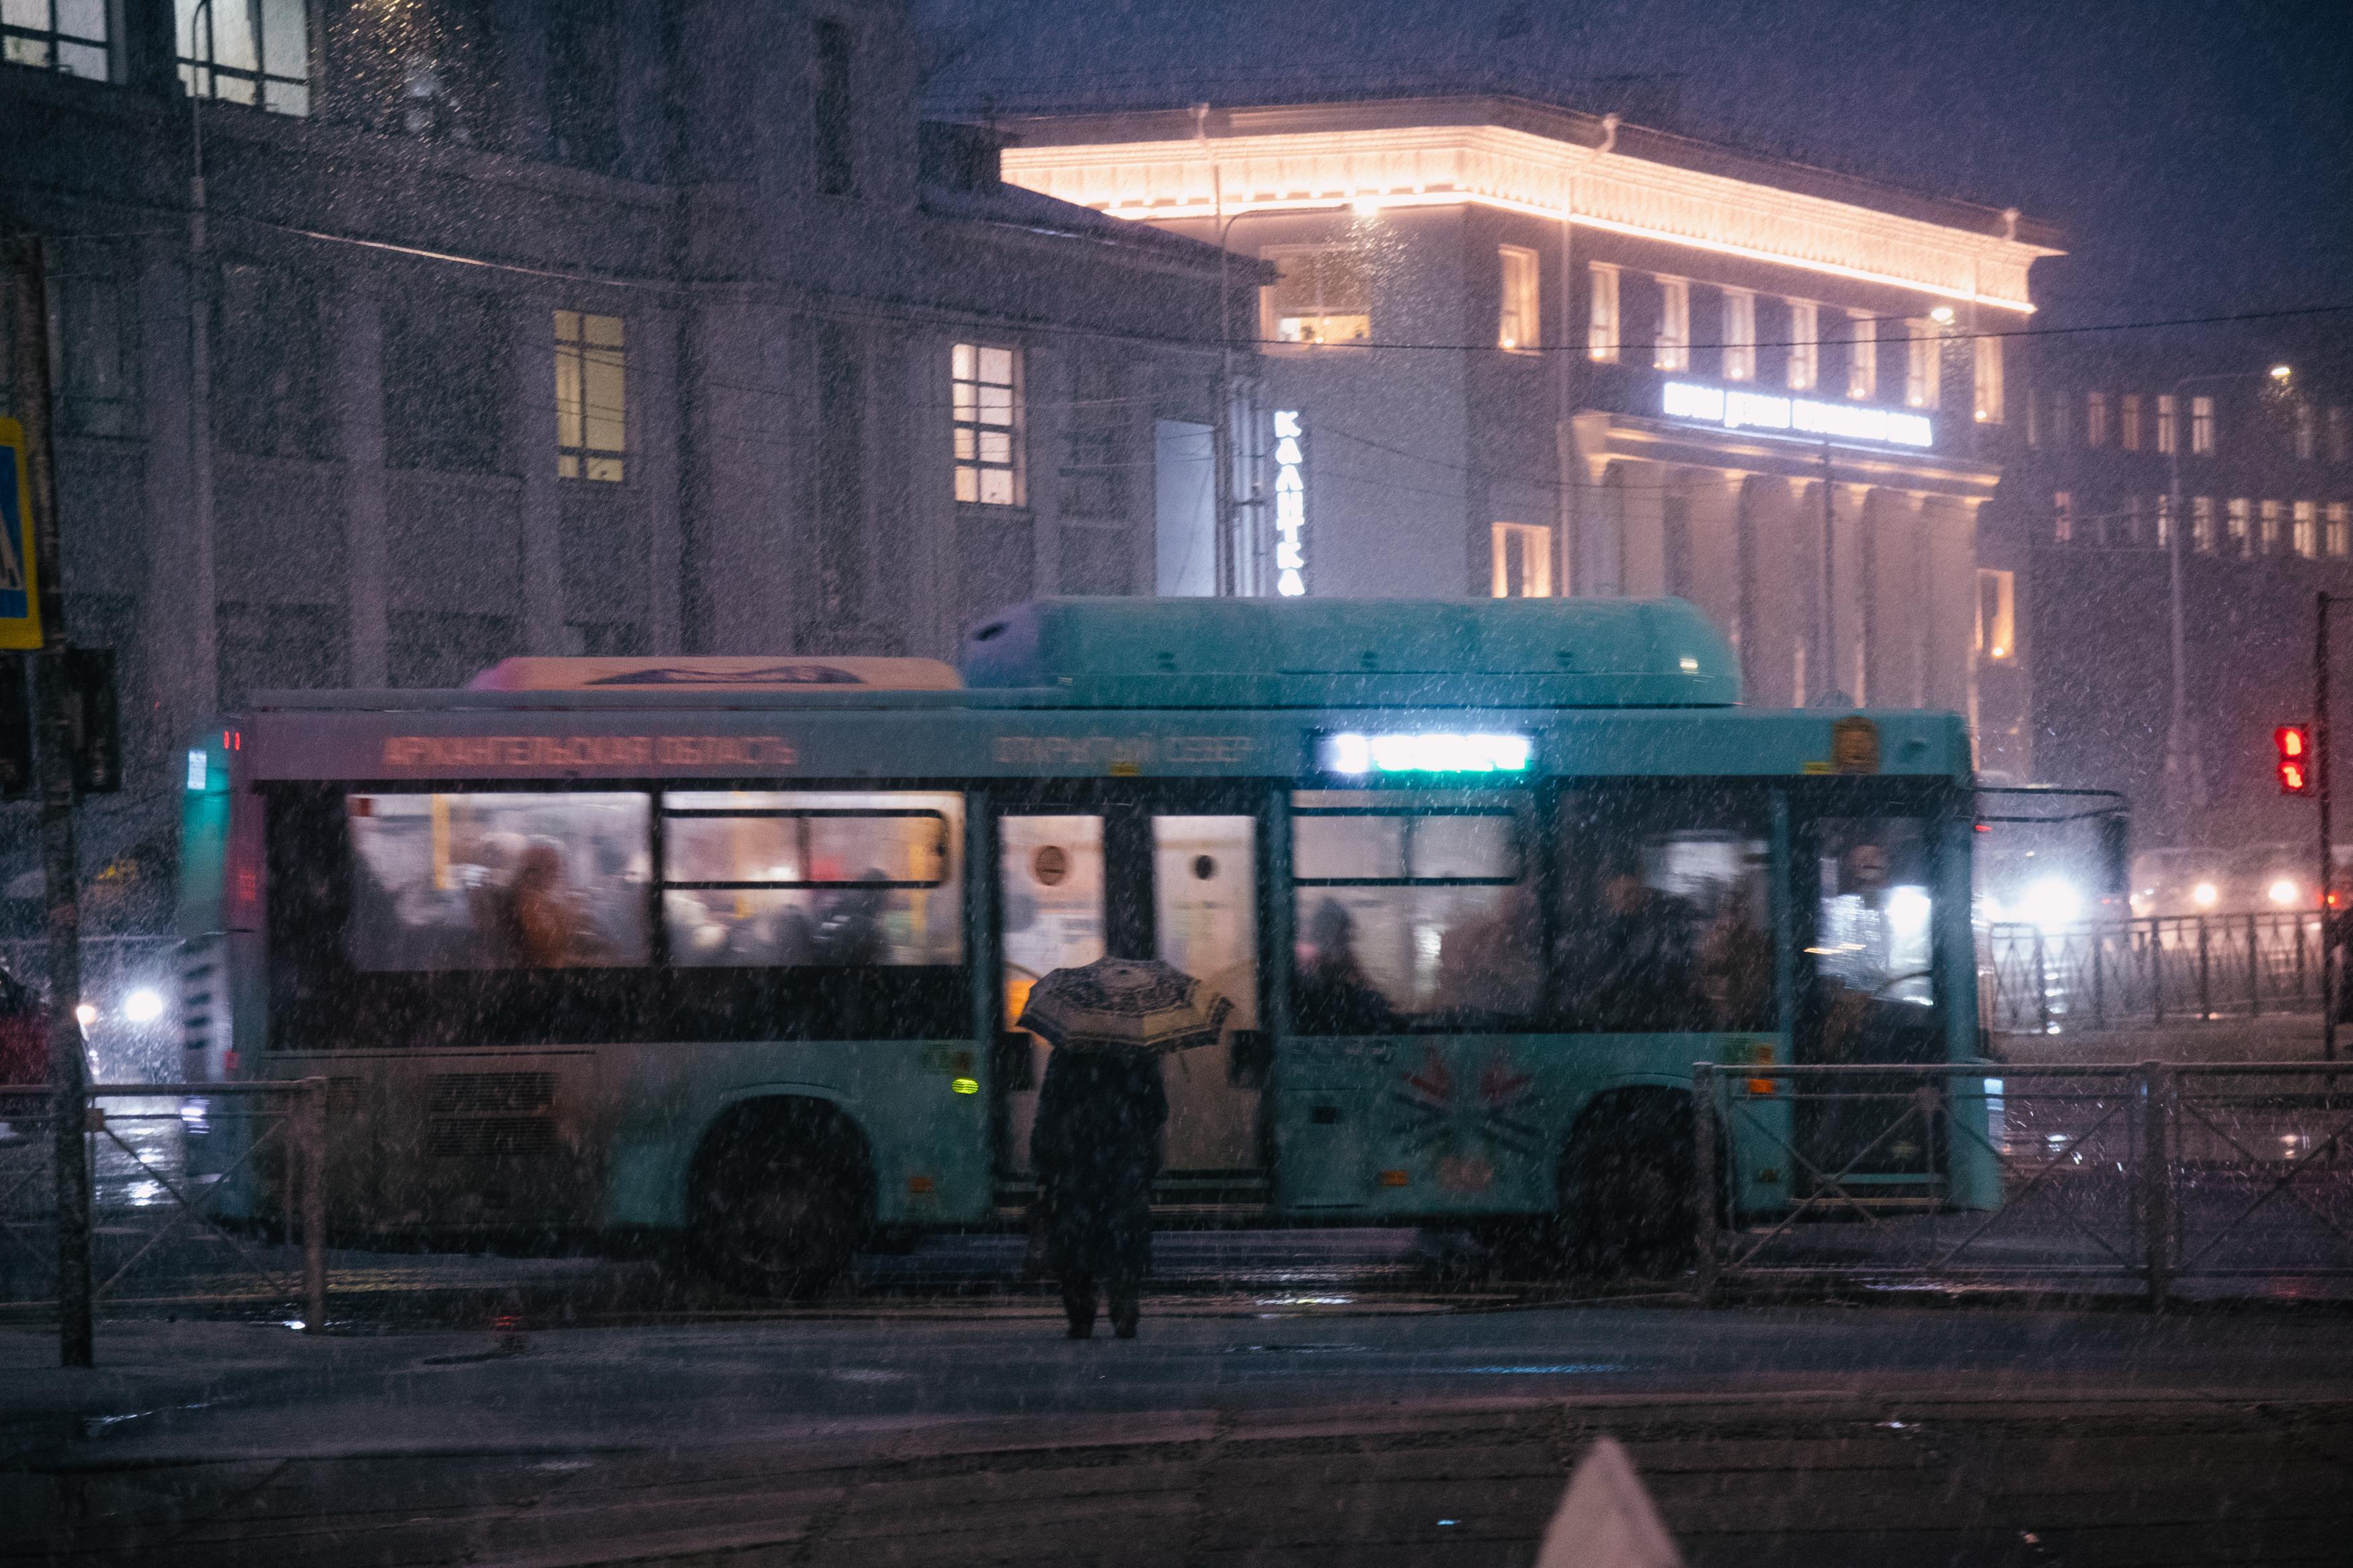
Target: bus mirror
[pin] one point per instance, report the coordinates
(1251, 1055)
(1012, 1065)
(2115, 856)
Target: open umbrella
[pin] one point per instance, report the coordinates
(1124, 1005)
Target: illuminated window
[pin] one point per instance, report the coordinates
(2063, 516)
(2340, 437)
(2201, 425)
(1321, 295)
(987, 391)
(2164, 521)
(1921, 363)
(255, 52)
(1523, 558)
(591, 397)
(1996, 614)
(1863, 355)
(2270, 538)
(2307, 530)
(2201, 524)
(2096, 419)
(2340, 529)
(68, 36)
(1988, 381)
(1520, 327)
(1739, 335)
(1805, 346)
(1602, 318)
(2306, 446)
(2128, 421)
(2168, 423)
(2033, 418)
(2237, 512)
(1674, 325)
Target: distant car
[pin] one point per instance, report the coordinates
(2205, 881)
(24, 1034)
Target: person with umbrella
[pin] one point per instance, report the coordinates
(1096, 1142)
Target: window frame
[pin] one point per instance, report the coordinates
(58, 45)
(659, 1003)
(968, 414)
(2168, 423)
(272, 93)
(1739, 348)
(1604, 318)
(1271, 307)
(1863, 355)
(1534, 541)
(577, 456)
(2129, 422)
(1804, 368)
(2201, 427)
(1923, 353)
(1519, 325)
(1672, 350)
(1986, 381)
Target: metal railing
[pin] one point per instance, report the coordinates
(156, 1232)
(2154, 1174)
(2163, 969)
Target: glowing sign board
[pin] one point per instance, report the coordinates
(1737, 410)
(1445, 752)
(1290, 506)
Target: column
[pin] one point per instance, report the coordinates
(359, 397)
(1712, 515)
(1849, 674)
(1641, 490)
(1045, 396)
(654, 401)
(531, 445)
(1951, 530)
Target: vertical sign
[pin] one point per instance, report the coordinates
(20, 600)
(1290, 506)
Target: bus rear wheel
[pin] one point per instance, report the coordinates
(782, 1200)
(1626, 1187)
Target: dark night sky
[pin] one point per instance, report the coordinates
(2200, 156)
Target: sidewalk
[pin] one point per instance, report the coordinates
(1864, 1438)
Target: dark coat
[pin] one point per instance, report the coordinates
(1096, 1149)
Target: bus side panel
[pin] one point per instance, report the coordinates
(1443, 1125)
(916, 1102)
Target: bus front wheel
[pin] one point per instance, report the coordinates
(1626, 1186)
(783, 1197)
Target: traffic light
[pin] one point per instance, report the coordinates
(2294, 766)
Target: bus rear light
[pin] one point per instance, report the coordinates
(1396, 1179)
(921, 1186)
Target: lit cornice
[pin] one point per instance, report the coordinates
(1492, 165)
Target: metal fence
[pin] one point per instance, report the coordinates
(2215, 1179)
(157, 1233)
(2167, 968)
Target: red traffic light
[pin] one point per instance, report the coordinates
(2293, 770)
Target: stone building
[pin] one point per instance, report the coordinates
(393, 340)
(1536, 351)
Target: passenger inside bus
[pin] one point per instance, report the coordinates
(1493, 963)
(1331, 994)
(1632, 961)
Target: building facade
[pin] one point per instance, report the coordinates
(1532, 351)
(391, 340)
(2257, 442)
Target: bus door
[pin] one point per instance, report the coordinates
(1869, 991)
(1128, 876)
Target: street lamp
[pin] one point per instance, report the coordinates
(2185, 785)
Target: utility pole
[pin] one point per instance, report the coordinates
(54, 778)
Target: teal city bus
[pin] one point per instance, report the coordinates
(733, 948)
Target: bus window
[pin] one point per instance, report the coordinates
(755, 879)
(1414, 910)
(1873, 942)
(509, 880)
(1664, 920)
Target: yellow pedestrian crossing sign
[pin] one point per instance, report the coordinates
(20, 599)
